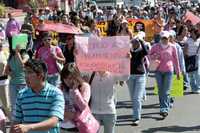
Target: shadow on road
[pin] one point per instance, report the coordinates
(124, 104)
(173, 129)
(151, 106)
(124, 120)
(155, 116)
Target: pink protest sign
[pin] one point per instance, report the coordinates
(103, 54)
(193, 18)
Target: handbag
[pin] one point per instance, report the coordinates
(59, 66)
(191, 62)
(84, 120)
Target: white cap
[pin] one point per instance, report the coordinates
(164, 34)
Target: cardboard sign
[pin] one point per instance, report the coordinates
(103, 54)
(21, 40)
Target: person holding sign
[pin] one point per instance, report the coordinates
(103, 98)
(137, 80)
(15, 70)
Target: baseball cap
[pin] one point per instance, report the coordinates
(164, 34)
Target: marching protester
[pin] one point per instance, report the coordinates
(191, 51)
(159, 26)
(39, 106)
(172, 36)
(123, 30)
(69, 49)
(15, 70)
(182, 36)
(137, 80)
(12, 28)
(51, 55)
(103, 98)
(77, 95)
(166, 54)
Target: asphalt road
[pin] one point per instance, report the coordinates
(183, 118)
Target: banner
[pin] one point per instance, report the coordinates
(176, 88)
(103, 27)
(103, 54)
(193, 18)
(134, 26)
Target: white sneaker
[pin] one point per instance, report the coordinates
(136, 122)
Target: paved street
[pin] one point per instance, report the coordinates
(183, 118)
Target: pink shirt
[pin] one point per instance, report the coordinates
(168, 58)
(81, 98)
(44, 53)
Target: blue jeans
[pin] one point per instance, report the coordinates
(164, 82)
(186, 80)
(194, 80)
(108, 121)
(136, 85)
(54, 79)
(14, 89)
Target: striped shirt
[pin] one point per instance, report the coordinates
(34, 108)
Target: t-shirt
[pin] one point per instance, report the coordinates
(35, 108)
(17, 71)
(44, 53)
(193, 46)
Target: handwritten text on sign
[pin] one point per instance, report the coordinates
(103, 54)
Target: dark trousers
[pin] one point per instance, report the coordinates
(10, 43)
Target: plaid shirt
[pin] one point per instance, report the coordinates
(69, 104)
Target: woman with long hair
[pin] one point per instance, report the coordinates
(15, 70)
(123, 30)
(72, 81)
(51, 55)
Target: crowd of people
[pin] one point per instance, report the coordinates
(46, 98)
